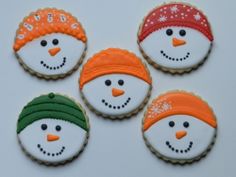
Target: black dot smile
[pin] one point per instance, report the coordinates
(54, 67)
(51, 154)
(179, 150)
(174, 59)
(116, 107)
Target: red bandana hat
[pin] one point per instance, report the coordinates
(175, 14)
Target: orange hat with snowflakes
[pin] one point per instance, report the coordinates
(178, 103)
(113, 61)
(47, 21)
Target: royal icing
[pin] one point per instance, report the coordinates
(179, 127)
(109, 82)
(175, 37)
(42, 42)
(52, 129)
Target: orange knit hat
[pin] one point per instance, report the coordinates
(47, 21)
(111, 61)
(177, 103)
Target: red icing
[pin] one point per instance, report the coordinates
(175, 14)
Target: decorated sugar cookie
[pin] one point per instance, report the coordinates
(115, 83)
(50, 43)
(175, 37)
(53, 129)
(179, 127)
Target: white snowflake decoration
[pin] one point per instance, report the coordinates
(159, 108)
(197, 17)
(166, 106)
(174, 9)
(156, 110)
(162, 18)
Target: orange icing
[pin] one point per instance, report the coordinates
(113, 61)
(54, 51)
(47, 21)
(178, 42)
(51, 137)
(178, 103)
(117, 92)
(180, 134)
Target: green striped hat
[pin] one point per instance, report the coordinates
(53, 106)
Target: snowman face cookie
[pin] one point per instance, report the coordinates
(50, 43)
(176, 47)
(52, 129)
(179, 127)
(183, 137)
(175, 37)
(114, 94)
(109, 82)
(52, 141)
(50, 54)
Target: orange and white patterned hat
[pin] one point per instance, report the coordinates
(178, 103)
(47, 21)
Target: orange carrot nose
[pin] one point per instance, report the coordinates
(178, 42)
(117, 92)
(51, 137)
(180, 134)
(54, 51)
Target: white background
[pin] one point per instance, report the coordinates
(116, 149)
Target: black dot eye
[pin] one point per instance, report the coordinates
(169, 32)
(43, 43)
(120, 82)
(108, 82)
(58, 128)
(186, 124)
(44, 126)
(55, 41)
(171, 123)
(182, 32)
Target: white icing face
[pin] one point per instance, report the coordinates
(180, 137)
(52, 141)
(176, 47)
(116, 94)
(53, 54)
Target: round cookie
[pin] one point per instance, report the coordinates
(115, 83)
(50, 43)
(53, 129)
(175, 37)
(179, 127)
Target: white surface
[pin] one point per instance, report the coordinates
(116, 149)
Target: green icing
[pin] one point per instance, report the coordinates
(52, 106)
(50, 114)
